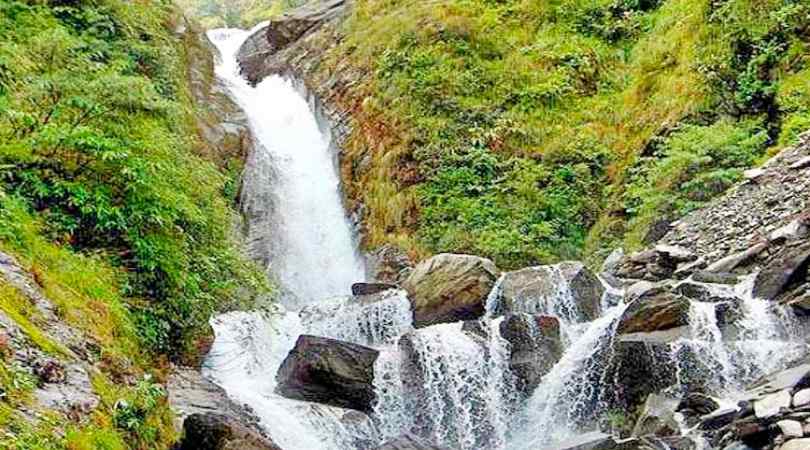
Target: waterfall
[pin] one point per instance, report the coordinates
(451, 382)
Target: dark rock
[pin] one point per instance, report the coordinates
(293, 25)
(220, 432)
(371, 288)
(530, 291)
(475, 328)
(535, 347)
(640, 366)
(409, 442)
(450, 288)
(789, 267)
(329, 371)
(655, 312)
(719, 419)
(699, 403)
(704, 292)
(715, 277)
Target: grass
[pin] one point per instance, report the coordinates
(572, 101)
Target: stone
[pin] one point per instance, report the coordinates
(753, 174)
(731, 262)
(536, 290)
(388, 264)
(219, 432)
(801, 164)
(535, 347)
(704, 292)
(293, 25)
(329, 371)
(796, 229)
(655, 312)
(789, 267)
(715, 277)
(772, 405)
(657, 417)
(790, 428)
(698, 402)
(675, 254)
(450, 288)
(719, 419)
(801, 398)
(408, 442)
(641, 366)
(796, 444)
(371, 288)
(611, 263)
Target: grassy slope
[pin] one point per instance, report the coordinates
(529, 131)
(106, 200)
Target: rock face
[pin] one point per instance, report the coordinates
(535, 347)
(220, 432)
(568, 290)
(786, 269)
(450, 288)
(655, 312)
(388, 264)
(329, 371)
(640, 366)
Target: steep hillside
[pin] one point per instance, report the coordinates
(532, 131)
(117, 189)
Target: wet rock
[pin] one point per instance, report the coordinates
(657, 416)
(450, 288)
(534, 290)
(719, 419)
(640, 366)
(371, 288)
(772, 405)
(655, 312)
(329, 371)
(409, 442)
(611, 263)
(699, 403)
(535, 347)
(704, 292)
(790, 428)
(388, 264)
(715, 277)
(788, 268)
(220, 432)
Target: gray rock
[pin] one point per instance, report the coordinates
(795, 230)
(535, 347)
(789, 267)
(329, 371)
(772, 405)
(657, 417)
(731, 262)
(450, 288)
(796, 444)
(704, 292)
(371, 288)
(568, 290)
(715, 277)
(611, 263)
(801, 398)
(801, 164)
(790, 428)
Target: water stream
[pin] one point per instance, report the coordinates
(444, 382)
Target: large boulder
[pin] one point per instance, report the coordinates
(567, 290)
(656, 312)
(640, 366)
(329, 371)
(220, 432)
(657, 416)
(788, 268)
(535, 347)
(450, 288)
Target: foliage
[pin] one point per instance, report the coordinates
(96, 139)
(582, 86)
(235, 13)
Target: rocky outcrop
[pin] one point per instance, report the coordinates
(450, 288)
(567, 289)
(329, 371)
(535, 347)
(210, 431)
(658, 263)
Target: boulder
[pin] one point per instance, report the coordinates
(329, 371)
(640, 366)
(698, 403)
(789, 267)
(801, 398)
(388, 264)
(731, 262)
(715, 277)
(796, 444)
(772, 405)
(450, 288)
(568, 290)
(535, 347)
(220, 432)
(295, 24)
(408, 442)
(371, 288)
(655, 312)
(704, 292)
(657, 263)
(790, 428)
(657, 416)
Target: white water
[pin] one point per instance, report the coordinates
(463, 395)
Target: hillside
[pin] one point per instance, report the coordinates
(116, 221)
(534, 131)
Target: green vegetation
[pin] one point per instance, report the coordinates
(530, 131)
(235, 13)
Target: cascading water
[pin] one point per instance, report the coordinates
(449, 382)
